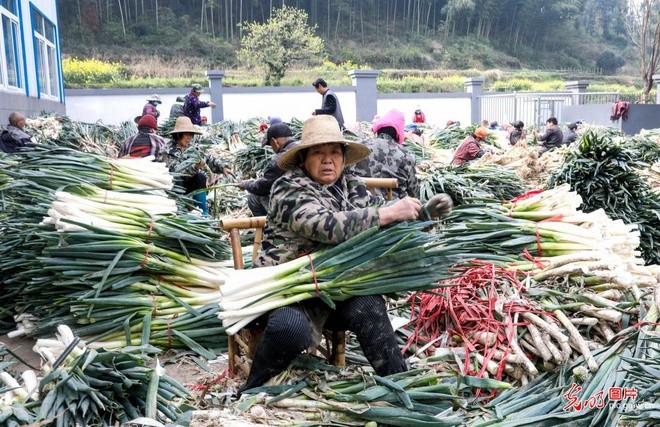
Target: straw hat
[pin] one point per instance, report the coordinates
(154, 98)
(318, 130)
(184, 125)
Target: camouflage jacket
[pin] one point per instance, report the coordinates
(388, 159)
(303, 214)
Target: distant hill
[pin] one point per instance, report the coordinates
(407, 34)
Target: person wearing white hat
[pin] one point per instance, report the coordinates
(192, 177)
(312, 204)
(151, 107)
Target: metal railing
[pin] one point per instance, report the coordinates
(534, 108)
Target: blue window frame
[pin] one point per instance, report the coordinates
(46, 56)
(11, 66)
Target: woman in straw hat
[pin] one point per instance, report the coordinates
(315, 203)
(192, 175)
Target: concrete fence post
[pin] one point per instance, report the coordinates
(474, 86)
(577, 88)
(366, 93)
(215, 92)
(656, 81)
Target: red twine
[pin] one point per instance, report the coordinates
(316, 282)
(538, 241)
(151, 228)
(146, 257)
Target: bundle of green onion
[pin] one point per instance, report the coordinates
(377, 261)
(604, 172)
(118, 262)
(470, 182)
(88, 387)
(55, 168)
(430, 394)
(574, 396)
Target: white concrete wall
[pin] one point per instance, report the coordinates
(437, 110)
(118, 106)
(114, 109)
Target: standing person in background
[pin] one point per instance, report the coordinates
(470, 149)
(388, 157)
(517, 132)
(570, 136)
(279, 136)
(329, 104)
(151, 107)
(177, 108)
(419, 116)
(553, 137)
(145, 142)
(14, 137)
(192, 104)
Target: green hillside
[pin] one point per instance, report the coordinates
(173, 39)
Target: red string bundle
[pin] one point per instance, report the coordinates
(475, 302)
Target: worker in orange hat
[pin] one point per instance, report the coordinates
(470, 149)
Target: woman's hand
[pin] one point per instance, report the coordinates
(438, 206)
(405, 209)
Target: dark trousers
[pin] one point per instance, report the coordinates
(288, 332)
(258, 204)
(194, 182)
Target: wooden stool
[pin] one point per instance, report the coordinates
(247, 340)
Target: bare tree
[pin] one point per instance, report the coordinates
(121, 13)
(643, 26)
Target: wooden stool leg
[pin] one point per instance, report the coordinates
(338, 357)
(233, 354)
(236, 252)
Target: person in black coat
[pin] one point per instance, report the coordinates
(279, 136)
(570, 136)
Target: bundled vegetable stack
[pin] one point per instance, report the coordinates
(82, 386)
(472, 181)
(432, 393)
(604, 172)
(122, 266)
(398, 258)
(548, 284)
(623, 389)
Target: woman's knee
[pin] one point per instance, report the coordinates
(361, 312)
(290, 326)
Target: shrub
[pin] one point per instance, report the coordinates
(90, 72)
(511, 85)
(609, 62)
